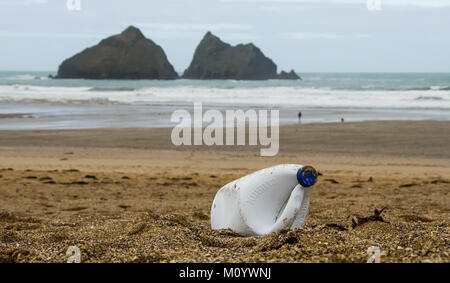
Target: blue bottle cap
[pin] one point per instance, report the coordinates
(307, 176)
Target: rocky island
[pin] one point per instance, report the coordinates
(292, 75)
(215, 59)
(128, 55)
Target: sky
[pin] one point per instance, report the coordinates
(308, 36)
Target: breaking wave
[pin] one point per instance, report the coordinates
(283, 96)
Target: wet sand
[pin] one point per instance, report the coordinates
(128, 195)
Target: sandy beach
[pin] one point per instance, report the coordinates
(129, 195)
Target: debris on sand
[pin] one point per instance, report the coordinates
(31, 177)
(77, 208)
(91, 177)
(71, 171)
(358, 221)
(333, 181)
(407, 185)
(82, 183)
(439, 181)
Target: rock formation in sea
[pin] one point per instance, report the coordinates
(128, 55)
(215, 59)
(292, 75)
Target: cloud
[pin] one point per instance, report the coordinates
(194, 27)
(52, 35)
(22, 2)
(417, 3)
(329, 36)
(160, 30)
(196, 30)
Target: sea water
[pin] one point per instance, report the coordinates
(44, 103)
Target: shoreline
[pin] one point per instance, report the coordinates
(428, 139)
(136, 117)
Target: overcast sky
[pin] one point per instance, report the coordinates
(308, 36)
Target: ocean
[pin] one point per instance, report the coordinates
(30, 100)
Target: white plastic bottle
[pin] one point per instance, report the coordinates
(266, 201)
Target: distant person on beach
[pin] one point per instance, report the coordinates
(342, 120)
(299, 117)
